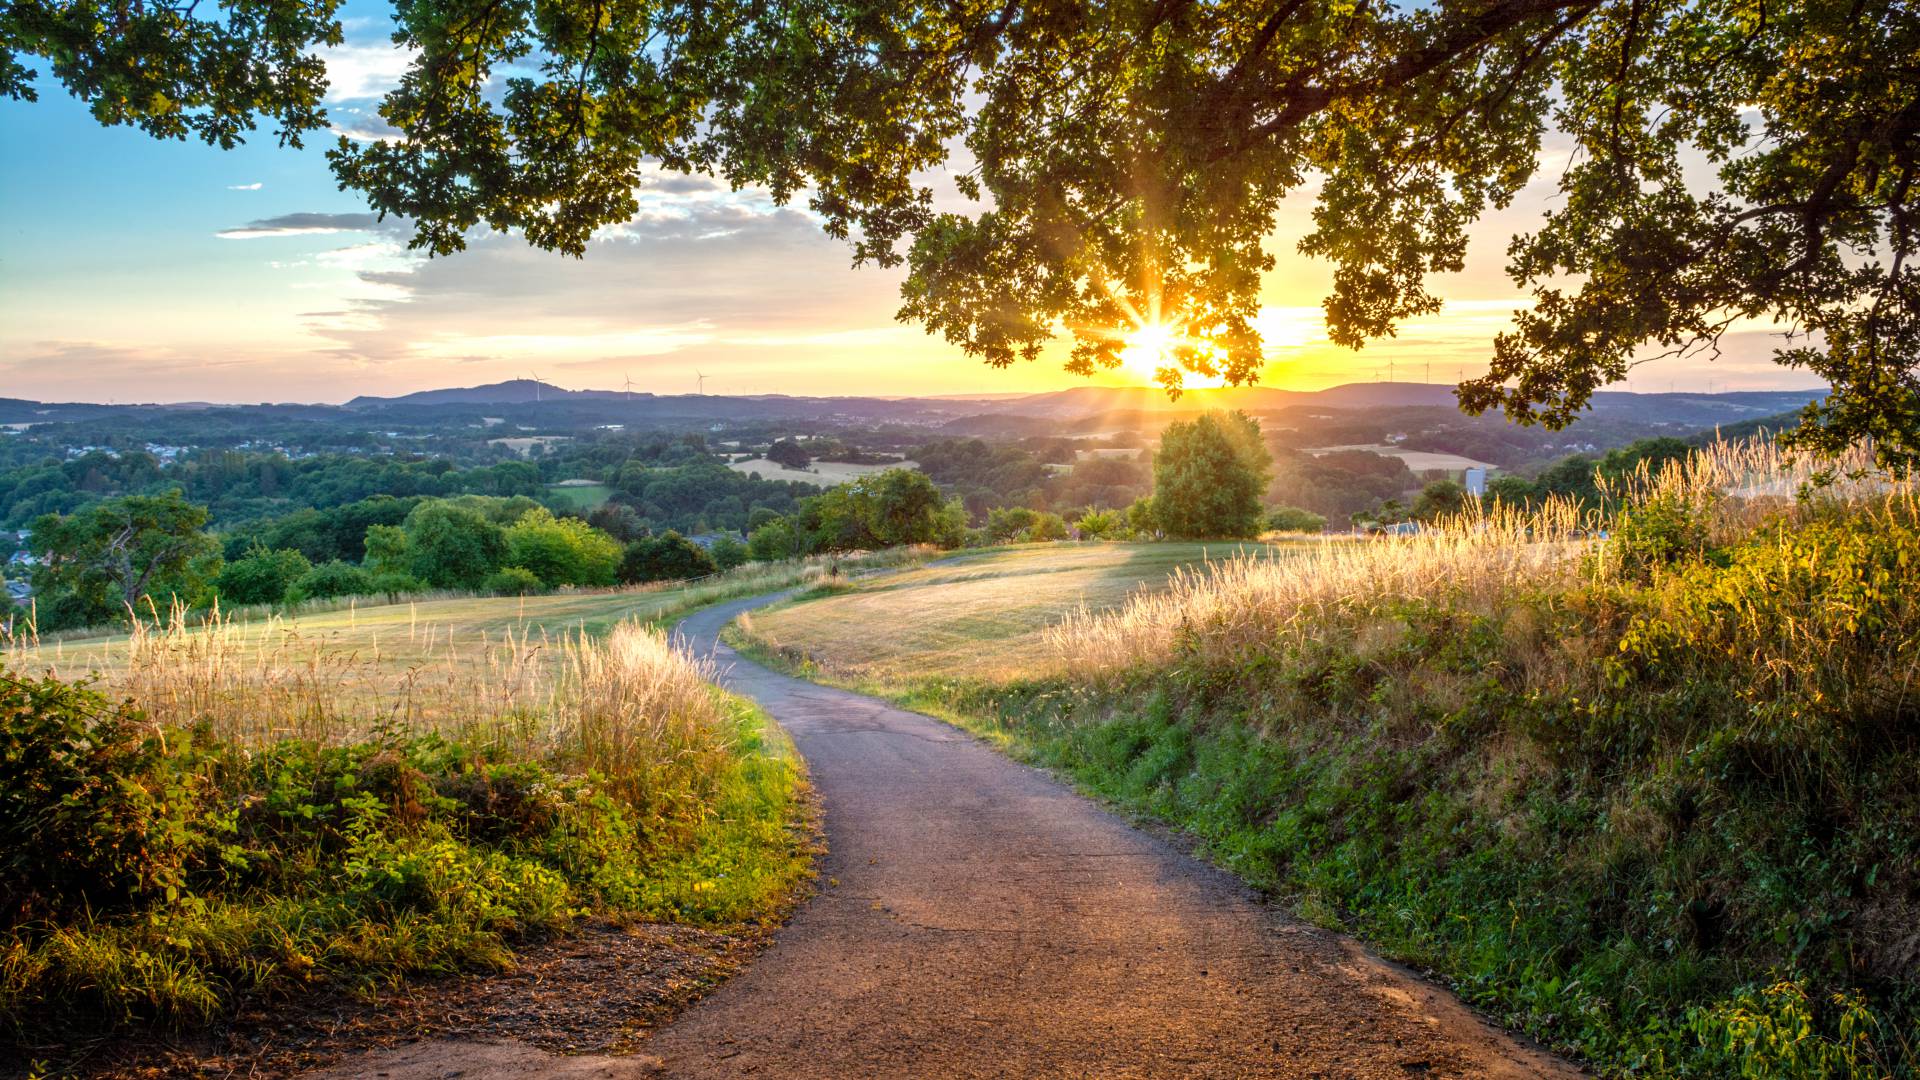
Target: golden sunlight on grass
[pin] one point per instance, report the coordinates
(428, 664)
(1480, 559)
(984, 616)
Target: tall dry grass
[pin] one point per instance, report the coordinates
(629, 706)
(1475, 559)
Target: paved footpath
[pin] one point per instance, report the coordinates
(977, 918)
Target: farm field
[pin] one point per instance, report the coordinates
(1417, 460)
(981, 616)
(820, 474)
(580, 496)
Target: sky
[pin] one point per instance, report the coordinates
(139, 270)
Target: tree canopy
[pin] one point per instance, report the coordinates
(1718, 163)
(1209, 475)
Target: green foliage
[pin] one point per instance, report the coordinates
(331, 579)
(790, 454)
(261, 576)
(772, 541)
(1440, 498)
(1100, 525)
(170, 73)
(1706, 184)
(1140, 517)
(453, 547)
(728, 552)
(76, 832)
(1292, 519)
(667, 557)
(562, 551)
(1209, 476)
(119, 556)
(514, 581)
(165, 875)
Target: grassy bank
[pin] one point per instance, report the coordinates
(241, 811)
(1654, 800)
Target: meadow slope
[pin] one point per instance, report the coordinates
(1654, 799)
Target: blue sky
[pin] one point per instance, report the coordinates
(134, 269)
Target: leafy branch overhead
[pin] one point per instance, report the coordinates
(1726, 163)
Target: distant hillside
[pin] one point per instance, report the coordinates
(511, 392)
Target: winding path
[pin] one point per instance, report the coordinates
(976, 918)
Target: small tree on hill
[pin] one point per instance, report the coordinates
(1208, 477)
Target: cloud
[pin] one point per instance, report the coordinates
(304, 224)
(702, 273)
(255, 186)
(366, 70)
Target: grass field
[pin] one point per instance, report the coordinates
(580, 496)
(979, 616)
(422, 661)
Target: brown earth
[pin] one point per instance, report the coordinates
(977, 918)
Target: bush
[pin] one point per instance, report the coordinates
(514, 581)
(1292, 519)
(92, 815)
(261, 576)
(1045, 526)
(728, 552)
(1008, 522)
(772, 541)
(667, 557)
(1100, 525)
(562, 551)
(331, 579)
(156, 874)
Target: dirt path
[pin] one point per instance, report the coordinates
(976, 918)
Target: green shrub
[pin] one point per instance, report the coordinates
(513, 581)
(331, 579)
(94, 813)
(1295, 520)
(157, 875)
(261, 577)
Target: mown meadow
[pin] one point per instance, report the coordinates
(200, 813)
(1641, 780)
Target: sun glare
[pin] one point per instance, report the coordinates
(1151, 347)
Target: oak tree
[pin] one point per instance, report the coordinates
(1717, 163)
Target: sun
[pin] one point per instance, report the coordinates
(1151, 346)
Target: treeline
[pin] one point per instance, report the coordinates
(143, 554)
(671, 482)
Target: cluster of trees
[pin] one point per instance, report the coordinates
(985, 475)
(146, 553)
(883, 509)
(239, 486)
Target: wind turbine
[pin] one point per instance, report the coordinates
(536, 384)
(629, 385)
(703, 381)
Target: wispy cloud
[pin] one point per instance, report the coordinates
(255, 186)
(305, 224)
